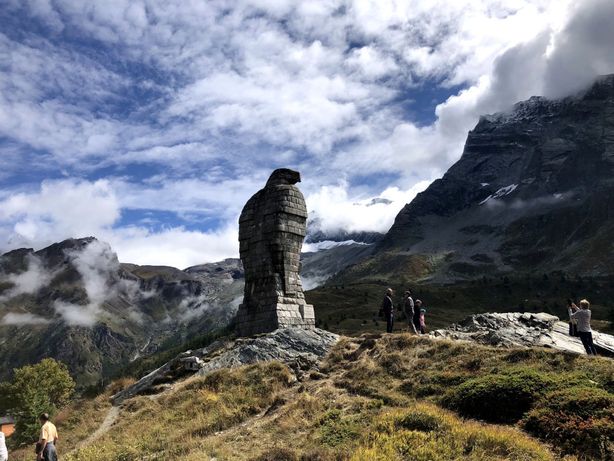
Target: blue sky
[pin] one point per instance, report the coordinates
(149, 123)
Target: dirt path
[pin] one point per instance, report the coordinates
(104, 427)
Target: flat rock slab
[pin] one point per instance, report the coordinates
(299, 349)
(515, 329)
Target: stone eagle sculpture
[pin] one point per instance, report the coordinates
(272, 228)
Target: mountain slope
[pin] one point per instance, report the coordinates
(372, 397)
(532, 192)
(75, 302)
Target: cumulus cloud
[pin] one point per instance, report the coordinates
(58, 210)
(334, 210)
(214, 96)
(67, 208)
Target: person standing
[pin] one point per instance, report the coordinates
(4, 454)
(48, 440)
(422, 321)
(388, 309)
(416, 318)
(408, 308)
(582, 315)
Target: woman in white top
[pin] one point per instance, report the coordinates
(582, 316)
(4, 454)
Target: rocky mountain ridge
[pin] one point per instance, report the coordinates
(75, 302)
(532, 192)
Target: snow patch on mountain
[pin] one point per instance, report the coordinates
(500, 193)
(328, 244)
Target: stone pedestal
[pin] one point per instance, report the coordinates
(272, 228)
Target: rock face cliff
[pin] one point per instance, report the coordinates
(533, 191)
(75, 302)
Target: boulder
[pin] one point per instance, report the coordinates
(515, 329)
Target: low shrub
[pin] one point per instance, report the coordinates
(578, 420)
(428, 433)
(420, 421)
(120, 384)
(323, 455)
(499, 397)
(336, 429)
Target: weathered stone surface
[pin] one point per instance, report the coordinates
(298, 348)
(515, 329)
(272, 228)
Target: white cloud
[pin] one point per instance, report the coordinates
(28, 282)
(175, 247)
(97, 265)
(234, 91)
(23, 318)
(335, 210)
(67, 208)
(59, 210)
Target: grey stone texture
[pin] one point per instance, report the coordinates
(515, 329)
(299, 349)
(272, 228)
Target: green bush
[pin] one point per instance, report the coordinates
(499, 397)
(336, 429)
(578, 420)
(419, 421)
(35, 389)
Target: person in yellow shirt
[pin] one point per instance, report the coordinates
(48, 440)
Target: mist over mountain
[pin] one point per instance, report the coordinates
(76, 302)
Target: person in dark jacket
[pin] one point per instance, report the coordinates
(388, 309)
(408, 307)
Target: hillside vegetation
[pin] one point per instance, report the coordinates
(375, 397)
(350, 307)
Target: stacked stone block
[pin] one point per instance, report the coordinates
(272, 228)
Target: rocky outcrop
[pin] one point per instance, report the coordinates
(514, 329)
(533, 191)
(272, 228)
(300, 349)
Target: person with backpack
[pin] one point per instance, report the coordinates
(582, 315)
(408, 308)
(388, 310)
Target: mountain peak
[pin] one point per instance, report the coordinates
(523, 193)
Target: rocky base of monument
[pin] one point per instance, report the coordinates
(515, 329)
(299, 349)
